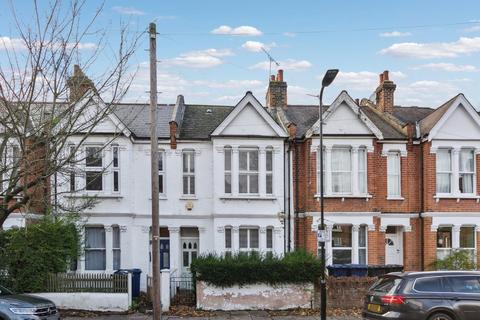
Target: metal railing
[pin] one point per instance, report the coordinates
(182, 291)
(87, 282)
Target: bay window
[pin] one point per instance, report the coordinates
(248, 171)
(188, 172)
(393, 174)
(341, 171)
(228, 170)
(93, 168)
(95, 257)
(342, 244)
(161, 172)
(466, 171)
(249, 239)
(444, 171)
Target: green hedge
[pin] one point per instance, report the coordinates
(250, 268)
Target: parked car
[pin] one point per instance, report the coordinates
(25, 306)
(440, 295)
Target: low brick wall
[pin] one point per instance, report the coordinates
(254, 297)
(347, 291)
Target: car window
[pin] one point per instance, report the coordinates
(465, 284)
(386, 285)
(433, 284)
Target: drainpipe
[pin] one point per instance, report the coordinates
(295, 200)
(289, 177)
(422, 204)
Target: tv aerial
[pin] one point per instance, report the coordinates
(272, 60)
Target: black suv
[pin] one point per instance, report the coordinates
(440, 295)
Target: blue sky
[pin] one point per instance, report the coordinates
(209, 50)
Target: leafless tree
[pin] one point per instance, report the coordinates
(43, 104)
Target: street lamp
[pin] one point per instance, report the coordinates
(327, 80)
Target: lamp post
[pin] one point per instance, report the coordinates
(327, 80)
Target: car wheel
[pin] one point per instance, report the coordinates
(440, 316)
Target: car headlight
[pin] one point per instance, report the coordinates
(23, 310)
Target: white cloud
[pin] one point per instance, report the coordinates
(230, 84)
(463, 45)
(426, 93)
(363, 80)
(450, 67)
(256, 46)
(7, 43)
(11, 43)
(199, 59)
(128, 11)
(475, 28)
(395, 34)
(289, 64)
(238, 31)
(165, 17)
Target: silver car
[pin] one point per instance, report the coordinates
(25, 306)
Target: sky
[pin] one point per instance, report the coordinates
(210, 51)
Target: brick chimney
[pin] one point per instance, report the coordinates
(78, 84)
(277, 92)
(385, 93)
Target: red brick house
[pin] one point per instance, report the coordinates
(401, 183)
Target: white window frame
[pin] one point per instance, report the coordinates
(72, 179)
(227, 171)
(116, 249)
(269, 171)
(249, 239)
(472, 250)
(442, 252)
(228, 231)
(450, 172)
(394, 156)
(365, 227)
(162, 172)
(189, 174)
(116, 168)
(98, 169)
(102, 249)
(362, 172)
(343, 248)
(342, 171)
(470, 173)
(248, 172)
(269, 231)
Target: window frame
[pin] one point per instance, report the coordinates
(228, 248)
(116, 249)
(350, 172)
(362, 174)
(449, 152)
(227, 172)
(162, 173)
(462, 173)
(72, 181)
(248, 172)
(269, 232)
(95, 169)
(269, 172)
(249, 247)
(189, 173)
(116, 169)
(338, 248)
(442, 252)
(96, 249)
(365, 227)
(397, 157)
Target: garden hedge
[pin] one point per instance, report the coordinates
(249, 268)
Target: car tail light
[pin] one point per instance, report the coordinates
(393, 299)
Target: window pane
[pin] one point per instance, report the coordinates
(254, 238)
(228, 159)
(341, 182)
(253, 161)
(253, 183)
(95, 237)
(115, 157)
(465, 284)
(444, 182)
(192, 185)
(269, 183)
(94, 181)
(429, 285)
(192, 162)
(465, 182)
(115, 181)
(342, 256)
(228, 183)
(444, 160)
(185, 259)
(160, 183)
(341, 159)
(116, 237)
(228, 238)
(185, 185)
(342, 236)
(242, 183)
(269, 238)
(160, 160)
(467, 160)
(444, 237)
(116, 259)
(362, 256)
(185, 162)
(362, 236)
(243, 159)
(72, 181)
(269, 160)
(95, 260)
(243, 234)
(467, 237)
(93, 156)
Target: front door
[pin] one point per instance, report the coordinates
(394, 246)
(164, 254)
(189, 253)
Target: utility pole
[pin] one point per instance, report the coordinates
(157, 309)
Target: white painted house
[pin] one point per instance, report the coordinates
(221, 184)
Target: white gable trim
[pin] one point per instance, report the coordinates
(345, 97)
(249, 99)
(460, 100)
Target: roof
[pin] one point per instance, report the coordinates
(303, 116)
(411, 115)
(427, 123)
(137, 118)
(388, 131)
(199, 121)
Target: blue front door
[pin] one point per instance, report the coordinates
(164, 254)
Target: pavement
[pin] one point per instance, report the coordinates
(234, 315)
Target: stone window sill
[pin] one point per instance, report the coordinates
(399, 198)
(186, 197)
(95, 195)
(459, 197)
(247, 197)
(345, 196)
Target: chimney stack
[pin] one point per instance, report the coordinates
(385, 93)
(277, 92)
(78, 84)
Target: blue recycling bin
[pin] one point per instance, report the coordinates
(339, 270)
(358, 270)
(135, 279)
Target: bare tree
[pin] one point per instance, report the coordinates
(43, 105)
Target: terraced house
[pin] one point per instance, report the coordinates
(401, 183)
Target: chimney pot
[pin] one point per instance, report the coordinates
(280, 75)
(385, 75)
(381, 78)
(385, 93)
(272, 78)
